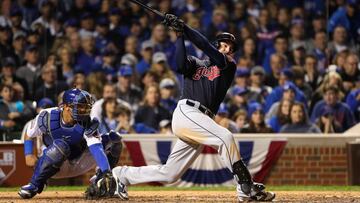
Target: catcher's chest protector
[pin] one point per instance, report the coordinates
(56, 130)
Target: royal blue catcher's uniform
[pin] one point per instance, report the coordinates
(71, 150)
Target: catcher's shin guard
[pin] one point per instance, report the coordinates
(49, 163)
(243, 176)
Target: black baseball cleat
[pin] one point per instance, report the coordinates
(28, 191)
(121, 189)
(257, 194)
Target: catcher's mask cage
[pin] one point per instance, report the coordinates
(80, 102)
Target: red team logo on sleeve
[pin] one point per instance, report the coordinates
(211, 73)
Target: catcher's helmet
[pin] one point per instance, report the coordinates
(226, 37)
(80, 101)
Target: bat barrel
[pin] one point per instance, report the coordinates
(148, 7)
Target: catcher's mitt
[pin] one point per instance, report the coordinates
(103, 186)
(173, 22)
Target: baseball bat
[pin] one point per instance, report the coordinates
(148, 8)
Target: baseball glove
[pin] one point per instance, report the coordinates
(173, 22)
(103, 186)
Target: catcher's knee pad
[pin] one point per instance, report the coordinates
(58, 152)
(243, 176)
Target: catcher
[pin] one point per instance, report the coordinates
(71, 143)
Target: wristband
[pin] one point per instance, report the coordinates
(28, 147)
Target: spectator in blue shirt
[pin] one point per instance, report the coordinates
(266, 32)
(161, 42)
(280, 47)
(167, 94)
(87, 56)
(256, 120)
(353, 100)
(238, 100)
(282, 116)
(288, 91)
(346, 16)
(107, 65)
(102, 39)
(341, 111)
(242, 75)
(319, 50)
(327, 123)
(299, 121)
(146, 54)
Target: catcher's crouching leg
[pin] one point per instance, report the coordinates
(104, 186)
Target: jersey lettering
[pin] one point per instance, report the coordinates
(211, 73)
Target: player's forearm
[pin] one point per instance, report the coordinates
(202, 43)
(97, 151)
(180, 53)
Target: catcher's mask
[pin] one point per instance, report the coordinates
(80, 102)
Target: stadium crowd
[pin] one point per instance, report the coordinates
(297, 63)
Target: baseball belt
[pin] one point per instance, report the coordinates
(201, 107)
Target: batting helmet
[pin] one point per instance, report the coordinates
(80, 101)
(226, 37)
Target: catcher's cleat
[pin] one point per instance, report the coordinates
(121, 188)
(28, 191)
(257, 193)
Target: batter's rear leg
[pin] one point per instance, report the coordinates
(198, 127)
(180, 159)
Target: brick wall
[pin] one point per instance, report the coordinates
(310, 165)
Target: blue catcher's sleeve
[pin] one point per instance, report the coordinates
(97, 151)
(202, 43)
(95, 145)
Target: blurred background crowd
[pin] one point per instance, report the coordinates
(297, 65)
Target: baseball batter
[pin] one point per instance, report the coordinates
(205, 85)
(72, 143)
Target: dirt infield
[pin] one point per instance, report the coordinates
(188, 196)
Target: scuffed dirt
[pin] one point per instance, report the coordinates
(187, 196)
